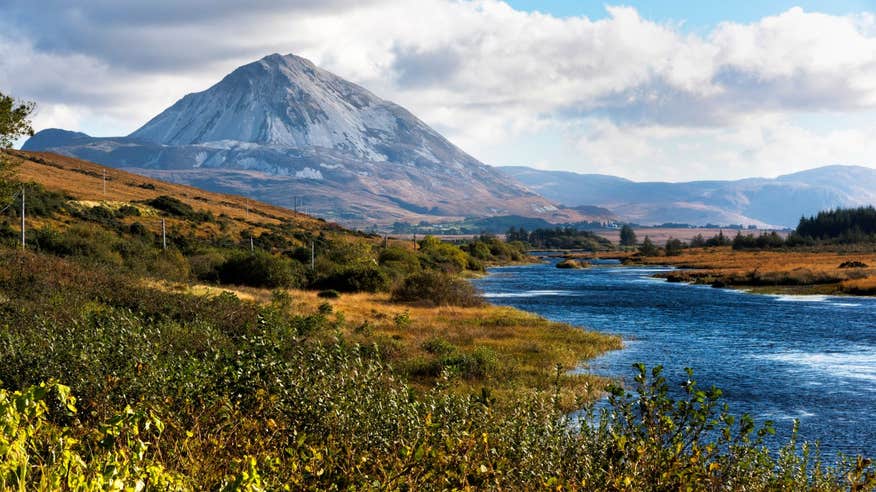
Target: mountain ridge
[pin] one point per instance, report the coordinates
(779, 201)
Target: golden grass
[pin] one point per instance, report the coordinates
(797, 271)
(83, 182)
(863, 286)
(529, 348)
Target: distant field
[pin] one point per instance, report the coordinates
(660, 234)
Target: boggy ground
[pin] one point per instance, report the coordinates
(838, 270)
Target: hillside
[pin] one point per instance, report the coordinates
(755, 201)
(84, 181)
(219, 364)
(219, 242)
(286, 132)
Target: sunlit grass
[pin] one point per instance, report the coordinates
(776, 270)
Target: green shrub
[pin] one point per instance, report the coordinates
(399, 262)
(439, 346)
(177, 208)
(362, 278)
(328, 294)
(437, 289)
(39, 202)
(206, 265)
(138, 229)
(260, 269)
(674, 247)
(128, 211)
(99, 214)
(170, 265)
(437, 255)
(88, 242)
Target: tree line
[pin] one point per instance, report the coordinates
(559, 238)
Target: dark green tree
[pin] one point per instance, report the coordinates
(628, 236)
(674, 247)
(648, 248)
(14, 124)
(14, 120)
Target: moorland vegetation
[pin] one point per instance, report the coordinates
(158, 337)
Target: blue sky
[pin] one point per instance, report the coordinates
(695, 15)
(647, 90)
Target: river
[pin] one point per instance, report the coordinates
(781, 358)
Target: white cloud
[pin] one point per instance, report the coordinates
(632, 93)
(764, 145)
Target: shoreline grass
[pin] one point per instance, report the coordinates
(793, 271)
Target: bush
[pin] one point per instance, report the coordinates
(205, 266)
(99, 214)
(442, 256)
(438, 346)
(362, 278)
(170, 265)
(399, 262)
(328, 294)
(138, 229)
(39, 202)
(260, 269)
(437, 289)
(674, 247)
(177, 208)
(87, 242)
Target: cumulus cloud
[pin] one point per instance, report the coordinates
(761, 145)
(626, 92)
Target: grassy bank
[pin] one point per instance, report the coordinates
(837, 270)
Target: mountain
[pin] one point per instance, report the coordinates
(757, 201)
(288, 132)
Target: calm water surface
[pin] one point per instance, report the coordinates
(811, 358)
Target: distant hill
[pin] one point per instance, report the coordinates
(755, 201)
(287, 132)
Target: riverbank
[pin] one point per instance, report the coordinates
(840, 271)
(505, 350)
(776, 357)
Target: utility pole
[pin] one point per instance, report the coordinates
(104, 183)
(23, 236)
(312, 255)
(251, 245)
(163, 235)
